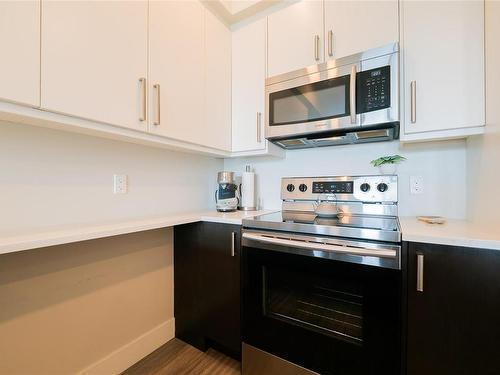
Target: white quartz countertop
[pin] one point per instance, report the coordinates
(26, 239)
(453, 232)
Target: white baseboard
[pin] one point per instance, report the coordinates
(130, 353)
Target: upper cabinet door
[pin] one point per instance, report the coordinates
(295, 37)
(249, 74)
(176, 69)
(20, 56)
(217, 129)
(356, 26)
(94, 60)
(443, 59)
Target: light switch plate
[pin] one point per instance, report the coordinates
(416, 185)
(119, 184)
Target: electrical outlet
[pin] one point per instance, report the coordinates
(416, 184)
(119, 184)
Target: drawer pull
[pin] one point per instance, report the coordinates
(420, 272)
(233, 245)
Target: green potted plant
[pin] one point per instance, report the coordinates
(388, 164)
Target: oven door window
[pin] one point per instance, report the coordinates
(321, 100)
(326, 306)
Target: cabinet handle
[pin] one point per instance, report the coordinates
(420, 272)
(316, 47)
(233, 240)
(143, 111)
(330, 43)
(156, 87)
(353, 94)
(413, 89)
(259, 130)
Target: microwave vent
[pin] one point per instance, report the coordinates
(369, 134)
(289, 143)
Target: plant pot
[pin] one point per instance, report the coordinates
(388, 169)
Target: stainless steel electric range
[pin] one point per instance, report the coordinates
(322, 281)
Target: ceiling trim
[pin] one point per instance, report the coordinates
(221, 11)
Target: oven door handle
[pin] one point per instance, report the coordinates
(386, 253)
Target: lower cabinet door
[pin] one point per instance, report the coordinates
(453, 310)
(221, 286)
(187, 285)
(207, 286)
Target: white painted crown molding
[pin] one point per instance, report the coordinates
(231, 18)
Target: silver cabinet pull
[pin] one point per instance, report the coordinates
(316, 47)
(259, 130)
(420, 272)
(353, 94)
(157, 120)
(233, 240)
(330, 43)
(143, 88)
(413, 89)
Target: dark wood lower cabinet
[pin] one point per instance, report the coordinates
(454, 322)
(207, 286)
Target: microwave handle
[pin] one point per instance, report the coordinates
(352, 96)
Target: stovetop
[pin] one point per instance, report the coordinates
(369, 227)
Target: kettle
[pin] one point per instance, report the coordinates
(327, 208)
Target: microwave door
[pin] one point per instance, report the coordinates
(318, 102)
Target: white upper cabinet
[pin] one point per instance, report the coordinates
(94, 60)
(295, 37)
(249, 74)
(356, 26)
(20, 56)
(176, 70)
(443, 60)
(217, 126)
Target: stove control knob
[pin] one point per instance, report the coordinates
(302, 187)
(290, 187)
(365, 187)
(382, 187)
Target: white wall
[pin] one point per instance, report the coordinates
(442, 164)
(50, 177)
(483, 153)
(99, 305)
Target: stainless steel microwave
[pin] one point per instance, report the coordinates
(354, 99)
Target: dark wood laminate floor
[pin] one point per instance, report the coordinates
(177, 357)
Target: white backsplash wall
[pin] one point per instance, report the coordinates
(441, 164)
(51, 178)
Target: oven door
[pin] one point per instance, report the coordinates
(319, 312)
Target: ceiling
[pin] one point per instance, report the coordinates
(234, 11)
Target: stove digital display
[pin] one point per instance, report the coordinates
(333, 187)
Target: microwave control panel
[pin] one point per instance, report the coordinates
(373, 87)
